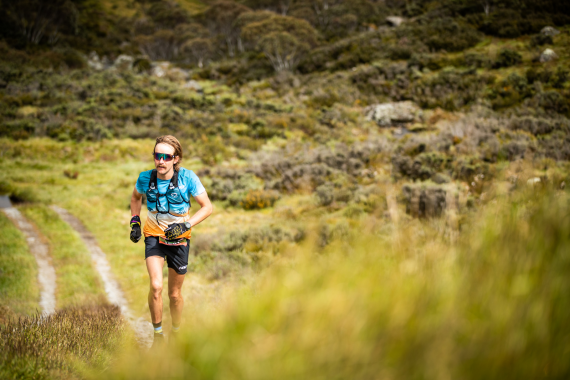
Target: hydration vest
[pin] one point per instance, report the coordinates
(173, 195)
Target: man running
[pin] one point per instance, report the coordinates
(168, 227)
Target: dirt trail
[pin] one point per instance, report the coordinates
(46, 272)
(142, 328)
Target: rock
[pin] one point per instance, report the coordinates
(94, 62)
(193, 85)
(123, 62)
(160, 69)
(549, 31)
(176, 74)
(548, 55)
(395, 20)
(425, 201)
(397, 113)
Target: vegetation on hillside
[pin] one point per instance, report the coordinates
(389, 180)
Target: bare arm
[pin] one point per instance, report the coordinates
(205, 211)
(136, 202)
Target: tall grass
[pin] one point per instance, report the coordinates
(77, 280)
(18, 273)
(403, 303)
(62, 345)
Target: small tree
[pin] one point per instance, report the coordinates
(220, 18)
(284, 40)
(198, 50)
(283, 50)
(39, 18)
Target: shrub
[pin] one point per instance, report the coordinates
(324, 194)
(259, 199)
(540, 39)
(507, 58)
(446, 34)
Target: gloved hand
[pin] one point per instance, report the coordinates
(135, 229)
(174, 230)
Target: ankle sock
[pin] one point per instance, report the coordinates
(175, 328)
(157, 328)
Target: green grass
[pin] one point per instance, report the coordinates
(18, 273)
(403, 303)
(77, 280)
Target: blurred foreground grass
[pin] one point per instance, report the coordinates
(401, 303)
(63, 345)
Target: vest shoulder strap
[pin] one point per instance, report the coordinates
(174, 181)
(153, 182)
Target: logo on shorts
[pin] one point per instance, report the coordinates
(182, 268)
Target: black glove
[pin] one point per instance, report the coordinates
(135, 229)
(176, 229)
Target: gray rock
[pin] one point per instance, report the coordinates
(390, 114)
(548, 55)
(123, 62)
(94, 62)
(193, 85)
(549, 31)
(160, 69)
(395, 20)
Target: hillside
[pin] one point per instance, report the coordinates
(389, 180)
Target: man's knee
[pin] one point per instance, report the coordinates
(156, 288)
(175, 296)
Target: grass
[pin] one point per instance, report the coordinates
(68, 344)
(77, 280)
(18, 273)
(404, 303)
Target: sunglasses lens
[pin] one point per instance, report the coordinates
(164, 156)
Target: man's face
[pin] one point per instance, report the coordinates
(164, 167)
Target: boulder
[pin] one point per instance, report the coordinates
(160, 69)
(395, 20)
(193, 85)
(394, 114)
(549, 31)
(123, 62)
(94, 62)
(548, 55)
(176, 74)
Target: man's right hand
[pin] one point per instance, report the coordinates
(135, 229)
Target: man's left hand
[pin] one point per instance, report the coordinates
(174, 230)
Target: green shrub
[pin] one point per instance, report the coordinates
(540, 39)
(259, 199)
(507, 58)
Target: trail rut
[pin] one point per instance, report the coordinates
(46, 272)
(142, 329)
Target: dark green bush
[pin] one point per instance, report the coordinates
(507, 58)
(540, 39)
(447, 34)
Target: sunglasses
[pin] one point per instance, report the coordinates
(164, 156)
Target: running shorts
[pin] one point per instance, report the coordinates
(176, 256)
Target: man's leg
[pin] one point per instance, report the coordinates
(154, 266)
(175, 282)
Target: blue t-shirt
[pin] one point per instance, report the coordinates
(187, 181)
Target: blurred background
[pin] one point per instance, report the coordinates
(388, 178)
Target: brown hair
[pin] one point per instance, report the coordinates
(173, 142)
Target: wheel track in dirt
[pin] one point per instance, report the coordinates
(46, 272)
(115, 295)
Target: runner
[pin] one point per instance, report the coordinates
(168, 227)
